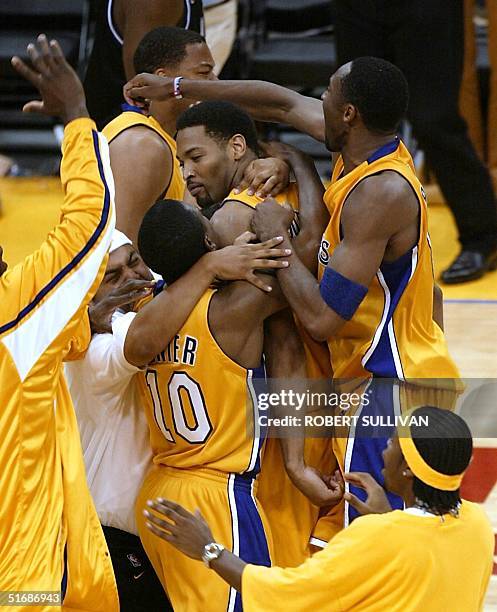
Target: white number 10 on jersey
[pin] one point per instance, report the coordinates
(180, 380)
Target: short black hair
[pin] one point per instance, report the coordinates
(171, 239)
(379, 91)
(221, 121)
(164, 47)
(446, 445)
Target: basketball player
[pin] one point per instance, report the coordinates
(204, 428)
(216, 143)
(375, 256)
(143, 149)
(437, 554)
(119, 27)
(51, 535)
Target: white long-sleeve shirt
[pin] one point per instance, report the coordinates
(114, 431)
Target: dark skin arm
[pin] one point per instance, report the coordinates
(379, 223)
(285, 359)
(156, 323)
(264, 101)
(142, 166)
(135, 18)
(313, 214)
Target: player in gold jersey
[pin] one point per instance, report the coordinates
(217, 141)
(198, 395)
(375, 302)
(51, 536)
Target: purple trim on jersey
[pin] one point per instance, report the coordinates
(253, 547)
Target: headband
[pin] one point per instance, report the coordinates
(421, 469)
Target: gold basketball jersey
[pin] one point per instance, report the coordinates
(392, 334)
(199, 403)
(133, 117)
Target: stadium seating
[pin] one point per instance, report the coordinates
(20, 22)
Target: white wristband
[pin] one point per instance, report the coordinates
(176, 88)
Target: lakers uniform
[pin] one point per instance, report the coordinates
(133, 117)
(291, 515)
(392, 335)
(206, 447)
(51, 536)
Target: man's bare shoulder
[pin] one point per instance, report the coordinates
(386, 197)
(140, 141)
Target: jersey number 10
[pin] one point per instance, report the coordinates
(180, 381)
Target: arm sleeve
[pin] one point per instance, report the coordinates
(46, 295)
(346, 572)
(111, 371)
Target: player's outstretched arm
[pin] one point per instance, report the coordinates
(157, 322)
(264, 101)
(65, 272)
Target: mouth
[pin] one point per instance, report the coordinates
(195, 189)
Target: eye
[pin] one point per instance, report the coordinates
(196, 158)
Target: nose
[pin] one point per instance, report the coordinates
(131, 274)
(187, 171)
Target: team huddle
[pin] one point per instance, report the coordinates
(172, 288)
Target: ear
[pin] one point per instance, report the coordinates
(406, 471)
(211, 246)
(160, 72)
(350, 113)
(238, 146)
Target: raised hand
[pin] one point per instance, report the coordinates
(145, 87)
(59, 86)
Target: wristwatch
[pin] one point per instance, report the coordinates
(211, 552)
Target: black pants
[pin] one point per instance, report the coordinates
(139, 588)
(425, 39)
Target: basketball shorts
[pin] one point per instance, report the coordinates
(228, 504)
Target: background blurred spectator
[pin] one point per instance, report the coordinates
(120, 25)
(425, 39)
(220, 29)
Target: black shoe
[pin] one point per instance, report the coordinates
(468, 266)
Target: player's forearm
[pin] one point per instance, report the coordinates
(264, 101)
(285, 359)
(313, 214)
(301, 290)
(230, 568)
(156, 323)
